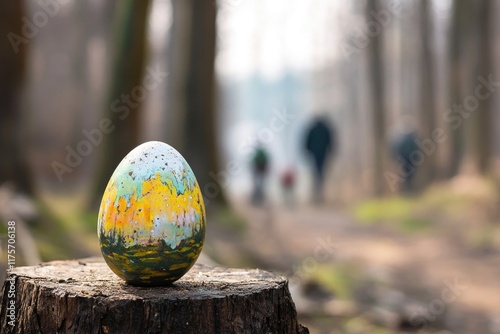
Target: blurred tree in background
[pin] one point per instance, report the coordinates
(378, 101)
(126, 91)
(459, 26)
(471, 55)
(427, 87)
(13, 163)
(483, 131)
(191, 95)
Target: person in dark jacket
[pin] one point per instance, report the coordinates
(404, 145)
(320, 145)
(260, 166)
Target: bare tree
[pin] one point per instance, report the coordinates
(456, 78)
(427, 88)
(126, 75)
(13, 51)
(470, 58)
(178, 63)
(484, 122)
(192, 86)
(377, 90)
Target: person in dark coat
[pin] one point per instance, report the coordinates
(403, 146)
(260, 166)
(320, 145)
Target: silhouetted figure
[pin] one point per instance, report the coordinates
(287, 184)
(260, 164)
(404, 145)
(320, 144)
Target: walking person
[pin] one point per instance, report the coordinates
(260, 162)
(404, 145)
(287, 185)
(320, 145)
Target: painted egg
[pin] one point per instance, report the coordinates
(151, 223)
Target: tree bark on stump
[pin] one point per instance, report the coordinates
(86, 297)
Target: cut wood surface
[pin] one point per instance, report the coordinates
(85, 296)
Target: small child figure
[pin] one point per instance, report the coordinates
(288, 183)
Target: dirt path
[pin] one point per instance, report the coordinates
(286, 237)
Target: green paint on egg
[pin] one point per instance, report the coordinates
(151, 223)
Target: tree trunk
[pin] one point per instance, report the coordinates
(178, 64)
(484, 127)
(461, 47)
(200, 92)
(192, 86)
(427, 88)
(86, 297)
(378, 97)
(13, 164)
(456, 142)
(124, 98)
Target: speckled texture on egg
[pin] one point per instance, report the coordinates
(151, 223)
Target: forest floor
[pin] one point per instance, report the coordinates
(428, 263)
(420, 264)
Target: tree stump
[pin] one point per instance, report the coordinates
(85, 296)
